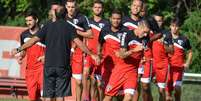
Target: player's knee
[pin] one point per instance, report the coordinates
(177, 89)
(107, 98)
(99, 84)
(169, 98)
(79, 82)
(161, 90)
(86, 73)
(128, 97)
(145, 87)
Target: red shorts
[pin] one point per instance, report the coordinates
(106, 70)
(77, 66)
(90, 63)
(174, 78)
(95, 71)
(34, 81)
(161, 76)
(147, 72)
(106, 76)
(121, 84)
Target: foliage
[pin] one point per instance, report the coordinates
(12, 11)
(192, 29)
(16, 21)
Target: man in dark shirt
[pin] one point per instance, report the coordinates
(57, 36)
(51, 13)
(81, 23)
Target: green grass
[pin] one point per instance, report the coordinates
(190, 92)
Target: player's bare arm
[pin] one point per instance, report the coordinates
(99, 50)
(84, 48)
(189, 59)
(155, 37)
(41, 59)
(26, 45)
(86, 34)
(124, 53)
(20, 57)
(169, 49)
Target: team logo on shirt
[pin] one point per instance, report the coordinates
(75, 21)
(119, 35)
(164, 35)
(101, 25)
(123, 38)
(180, 42)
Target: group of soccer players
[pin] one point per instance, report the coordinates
(132, 49)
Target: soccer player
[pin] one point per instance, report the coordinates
(132, 21)
(143, 12)
(90, 68)
(138, 11)
(57, 36)
(160, 49)
(81, 23)
(109, 41)
(124, 74)
(178, 63)
(35, 58)
(135, 49)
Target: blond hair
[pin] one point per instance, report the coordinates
(143, 24)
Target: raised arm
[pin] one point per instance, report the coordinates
(26, 45)
(86, 34)
(84, 48)
(124, 53)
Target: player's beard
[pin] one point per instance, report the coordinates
(33, 27)
(99, 14)
(137, 14)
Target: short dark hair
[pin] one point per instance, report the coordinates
(98, 2)
(116, 11)
(153, 24)
(176, 21)
(55, 3)
(70, 1)
(31, 13)
(158, 14)
(60, 13)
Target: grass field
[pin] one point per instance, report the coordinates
(190, 92)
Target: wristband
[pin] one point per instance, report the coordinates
(19, 49)
(72, 50)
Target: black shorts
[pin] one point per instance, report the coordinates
(57, 82)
